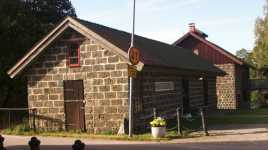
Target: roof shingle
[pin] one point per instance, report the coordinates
(154, 52)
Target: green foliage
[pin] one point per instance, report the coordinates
(109, 132)
(20, 129)
(247, 56)
(243, 54)
(260, 51)
(158, 122)
(22, 24)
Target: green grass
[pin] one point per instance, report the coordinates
(24, 131)
(258, 116)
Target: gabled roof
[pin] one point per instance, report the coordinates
(212, 45)
(152, 52)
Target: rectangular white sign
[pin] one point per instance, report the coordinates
(164, 86)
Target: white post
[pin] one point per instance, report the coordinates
(130, 113)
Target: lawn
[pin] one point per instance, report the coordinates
(257, 116)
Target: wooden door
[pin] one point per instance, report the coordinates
(74, 104)
(185, 95)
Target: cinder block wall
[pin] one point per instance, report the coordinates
(105, 86)
(226, 87)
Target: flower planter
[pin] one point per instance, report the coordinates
(158, 132)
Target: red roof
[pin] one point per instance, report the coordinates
(213, 46)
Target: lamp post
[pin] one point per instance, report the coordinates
(130, 113)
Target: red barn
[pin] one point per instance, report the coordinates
(232, 89)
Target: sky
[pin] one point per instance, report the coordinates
(228, 23)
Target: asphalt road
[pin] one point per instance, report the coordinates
(190, 146)
(231, 142)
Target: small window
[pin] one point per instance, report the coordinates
(74, 55)
(196, 52)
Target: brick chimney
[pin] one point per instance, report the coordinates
(192, 27)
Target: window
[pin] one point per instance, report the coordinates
(74, 55)
(196, 52)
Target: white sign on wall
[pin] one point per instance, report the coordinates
(164, 86)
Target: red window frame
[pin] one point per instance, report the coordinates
(69, 55)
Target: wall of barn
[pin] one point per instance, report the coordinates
(232, 89)
(166, 102)
(205, 51)
(105, 79)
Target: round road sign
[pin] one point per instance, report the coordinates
(134, 55)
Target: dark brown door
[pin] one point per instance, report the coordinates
(185, 95)
(205, 88)
(74, 104)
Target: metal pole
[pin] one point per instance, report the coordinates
(131, 79)
(179, 121)
(9, 119)
(202, 113)
(133, 24)
(130, 108)
(155, 113)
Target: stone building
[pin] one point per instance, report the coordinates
(78, 78)
(233, 88)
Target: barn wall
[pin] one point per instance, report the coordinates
(232, 89)
(205, 51)
(105, 86)
(167, 102)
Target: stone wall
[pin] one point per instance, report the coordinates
(105, 86)
(226, 87)
(232, 89)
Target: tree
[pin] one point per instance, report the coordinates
(246, 56)
(50, 12)
(24, 22)
(243, 54)
(260, 51)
